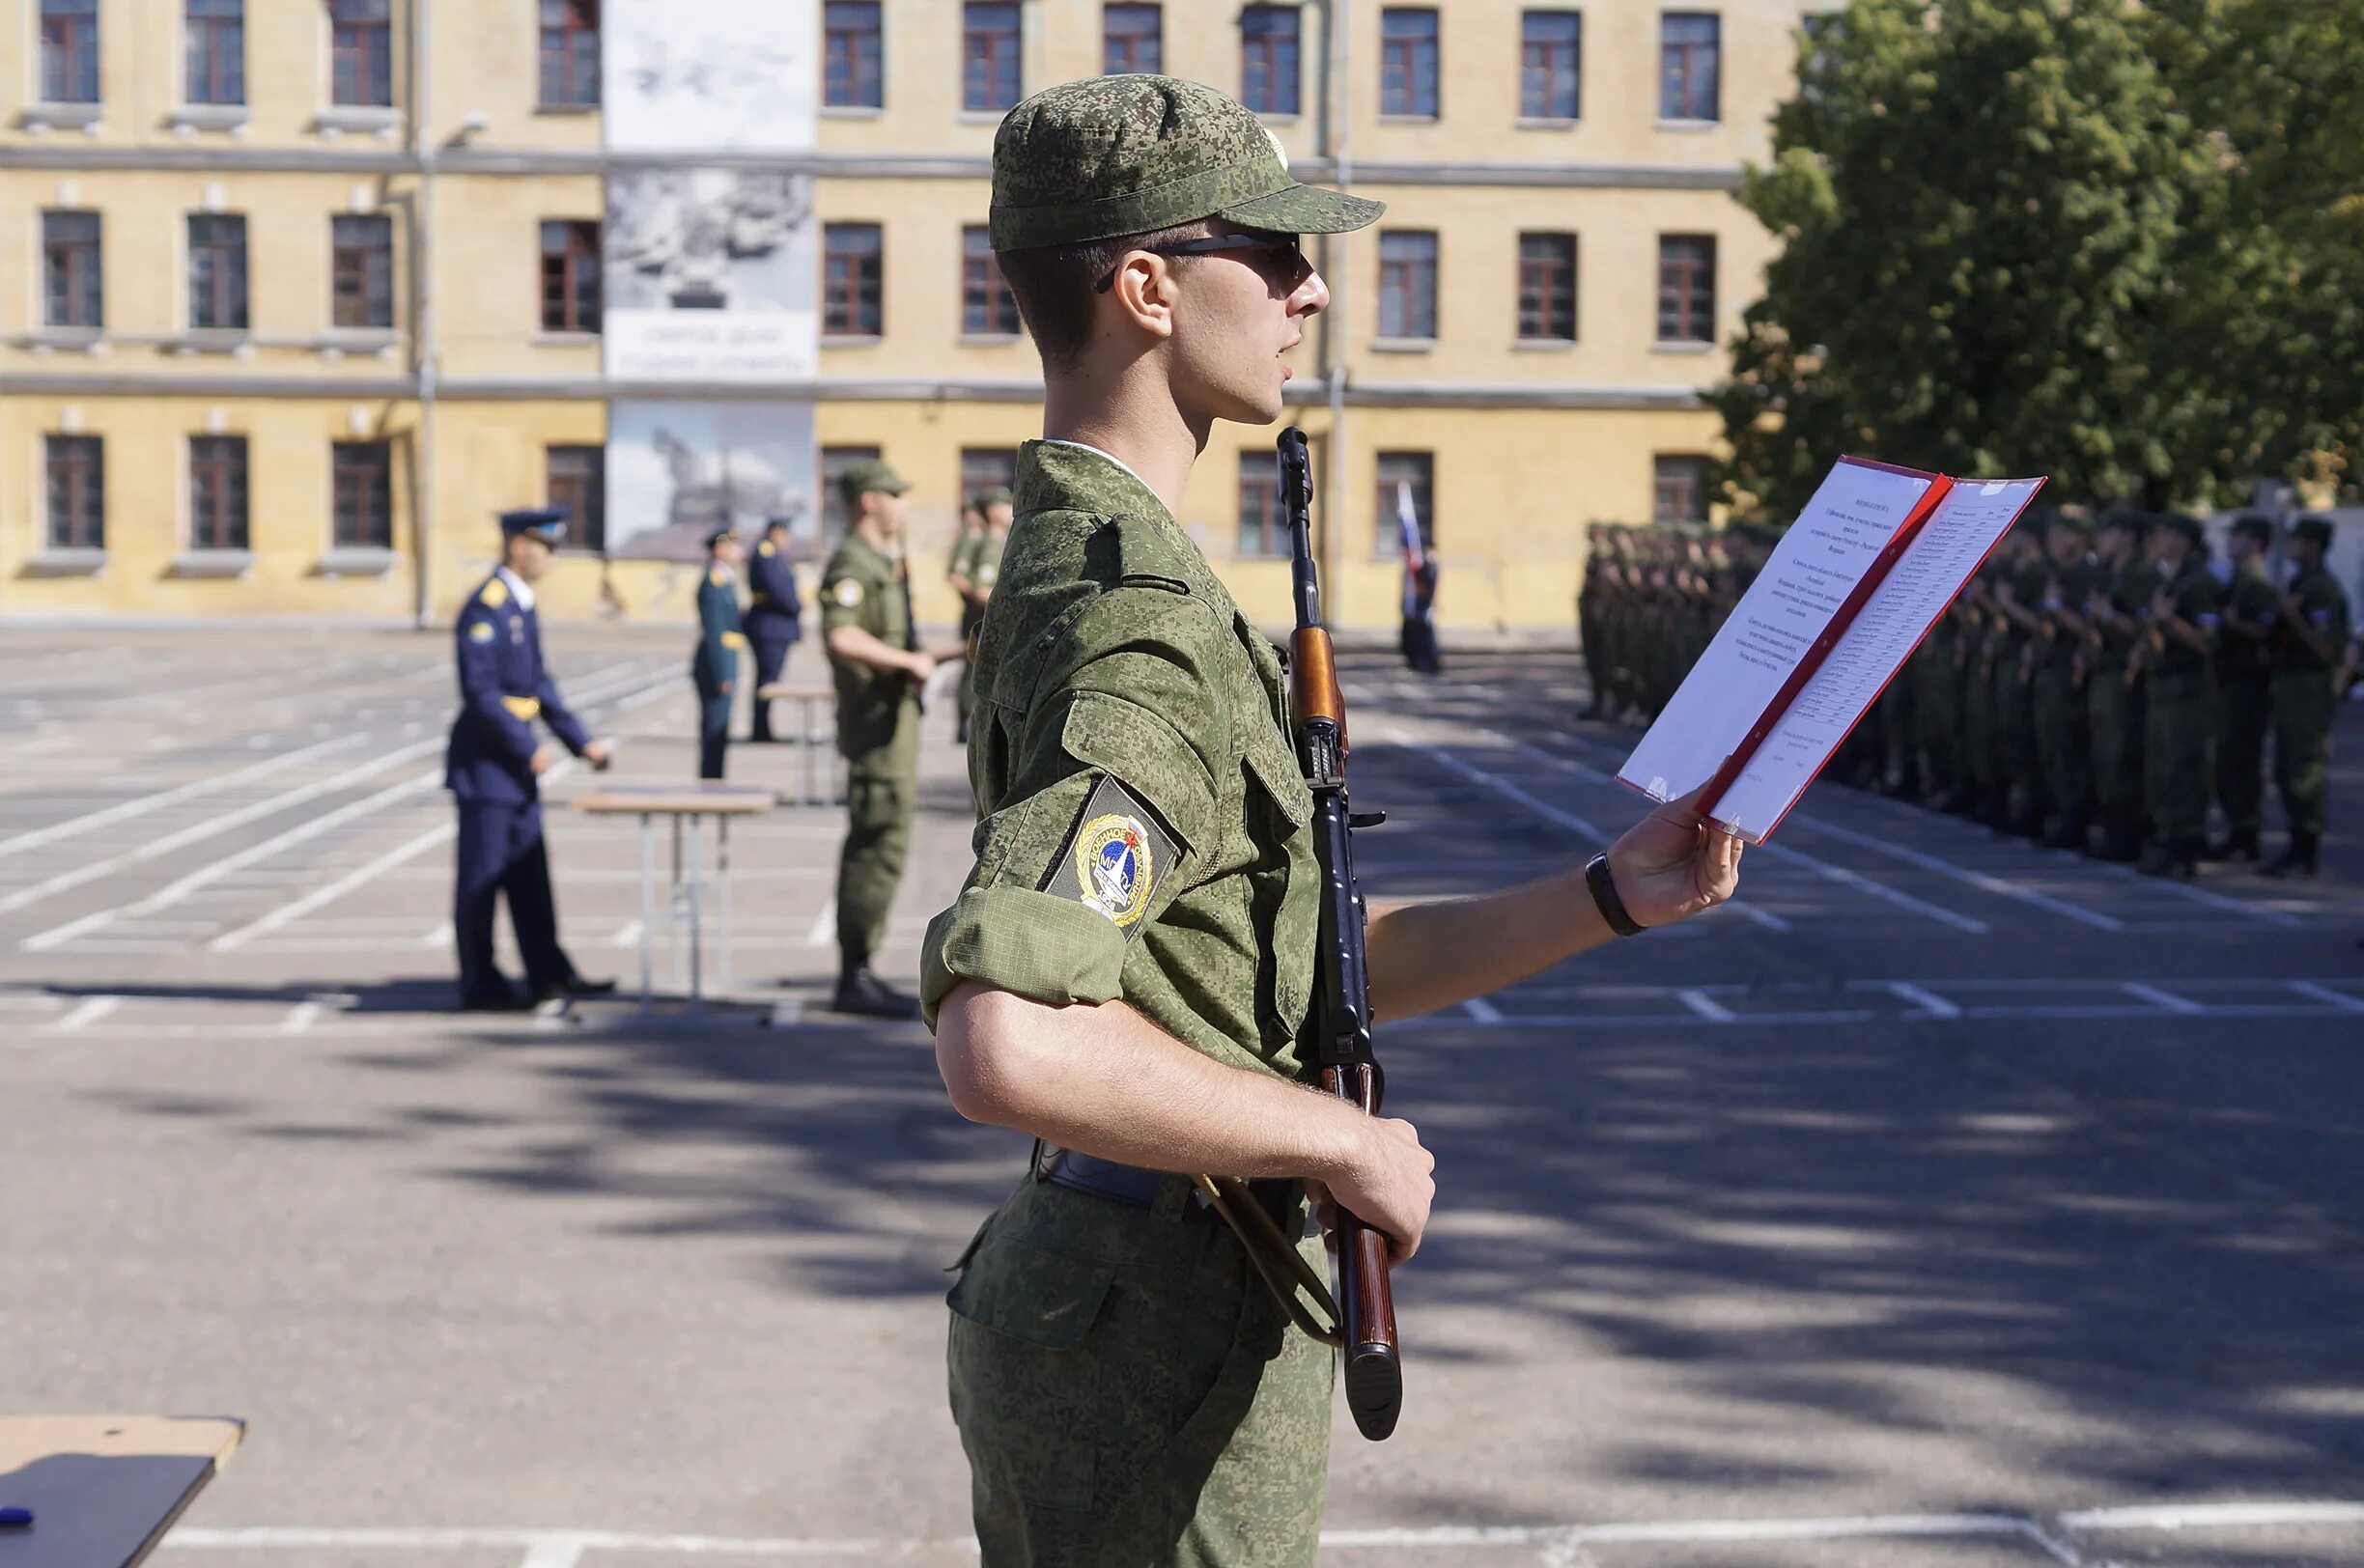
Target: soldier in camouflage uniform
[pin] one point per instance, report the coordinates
(2063, 731)
(2113, 686)
(2310, 625)
(1127, 971)
(976, 565)
(2244, 688)
(2018, 593)
(2181, 629)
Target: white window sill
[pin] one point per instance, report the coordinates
(853, 111)
(87, 340)
(190, 118)
(983, 116)
(1278, 118)
(1691, 127)
(355, 561)
(65, 563)
(990, 340)
(359, 119)
(40, 117)
(1542, 346)
(1411, 119)
(566, 340)
(1549, 123)
(566, 108)
(851, 340)
(1402, 345)
(213, 563)
(1685, 347)
(236, 342)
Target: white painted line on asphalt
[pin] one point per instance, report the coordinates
(1929, 1001)
(626, 935)
(142, 805)
(2200, 1516)
(1499, 785)
(554, 1551)
(91, 1010)
(1484, 1011)
(440, 937)
(824, 925)
(2324, 993)
(300, 1017)
(2157, 998)
(1704, 1005)
(1962, 874)
(358, 877)
(2206, 895)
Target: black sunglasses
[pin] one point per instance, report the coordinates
(1288, 262)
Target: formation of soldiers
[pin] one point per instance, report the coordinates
(2096, 687)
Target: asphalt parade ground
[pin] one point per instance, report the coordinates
(1939, 1201)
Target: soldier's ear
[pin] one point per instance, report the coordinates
(1143, 293)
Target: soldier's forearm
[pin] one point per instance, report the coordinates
(1437, 953)
(1104, 1081)
(856, 646)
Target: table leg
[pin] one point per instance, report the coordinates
(722, 895)
(696, 874)
(648, 908)
(673, 902)
(812, 783)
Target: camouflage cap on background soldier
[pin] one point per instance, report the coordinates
(1128, 155)
(870, 474)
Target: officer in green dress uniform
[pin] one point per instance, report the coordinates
(866, 627)
(2113, 685)
(713, 664)
(1128, 968)
(977, 567)
(2244, 687)
(2181, 629)
(2064, 732)
(2310, 629)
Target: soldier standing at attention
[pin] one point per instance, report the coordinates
(774, 616)
(866, 627)
(2308, 678)
(2113, 687)
(2244, 687)
(491, 767)
(1127, 1391)
(713, 667)
(2180, 629)
(2064, 736)
(980, 570)
(961, 572)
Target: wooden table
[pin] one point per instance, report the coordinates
(687, 805)
(818, 771)
(102, 1489)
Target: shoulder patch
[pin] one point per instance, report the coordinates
(718, 576)
(1115, 858)
(763, 548)
(495, 593)
(847, 592)
(480, 631)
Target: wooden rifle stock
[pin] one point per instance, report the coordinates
(1342, 1025)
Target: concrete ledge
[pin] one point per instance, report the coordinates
(212, 564)
(355, 561)
(64, 563)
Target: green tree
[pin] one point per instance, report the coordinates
(1979, 203)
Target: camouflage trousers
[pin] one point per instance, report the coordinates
(2244, 714)
(2175, 755)
(881, 791)
(2064, 736)
(2303, 705)
(1127, 1392)
(2117, 747)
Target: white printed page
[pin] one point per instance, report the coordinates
(1958, 536)
(1810, 574)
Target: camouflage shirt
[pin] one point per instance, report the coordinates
(863, 588)
(1144, 834)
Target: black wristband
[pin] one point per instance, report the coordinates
(1597, 876)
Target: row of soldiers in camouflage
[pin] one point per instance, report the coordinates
(2091, 686)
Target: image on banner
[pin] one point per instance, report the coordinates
(676, 472)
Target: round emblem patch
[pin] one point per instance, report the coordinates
(1113, 867)
(847, 592)
(481, 632)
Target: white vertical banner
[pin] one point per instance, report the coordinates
(694, 76)
(711, 274)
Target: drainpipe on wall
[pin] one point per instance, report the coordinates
(423, 366)
(1336, 121)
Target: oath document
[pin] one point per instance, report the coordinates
(1855, 584)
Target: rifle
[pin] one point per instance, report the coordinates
(1341, 1015)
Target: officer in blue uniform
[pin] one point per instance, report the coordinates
(713, 667)
(773, 617)
(492, 765)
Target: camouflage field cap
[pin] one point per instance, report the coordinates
(2181, 522)
(1124, 154)
(871, 474)
(2312, 527)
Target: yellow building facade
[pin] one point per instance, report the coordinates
(274, 338)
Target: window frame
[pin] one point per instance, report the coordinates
(1287, 87)
(233, 464)
(362, 472)
(1530, 66)
(219, 40)
(240, 279)
(1427, 305)
(982, 45)
(1266, 523)
(1684, 277)
(988, 308)
(1417, 73)
(833, 36)
(67, 40)
(81, 525)
(842, 316)
(369, 266)
(986, 467)
(1693, 477)
(1678, 72)
(369, 45)
(1562, 295)
(1133, 43)
(1387, 541)
(85, 262)
(576, 258)
(584, 493)
(559, 55)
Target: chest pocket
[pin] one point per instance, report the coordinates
(1283, 873)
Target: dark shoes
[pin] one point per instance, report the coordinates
(2299, 859)
(507, 999)
(867, 996)
(575, 985)
(2180, 859)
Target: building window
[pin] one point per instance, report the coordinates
(1264, 529)
(217, 493)
(1686, 288)
(986, 467)
(1398, 469)
(570, 275)
(1547, 288)
(214, 39)
(854, 280)
(1689, 46)
(1408, 62)
(71, 292)
(989, 56)
(1270, 43)
(853, 48)
(362, 485)
(988, 309)
(1407, 283)
(570, 51)
(1551, 65)
(361, 52)
(69, 51)
(76, 467)
(1132, 39)
(217, 272)
(1679, 489)
(361, 271)
(1820, 54)
(575, 478)
(837, 461)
